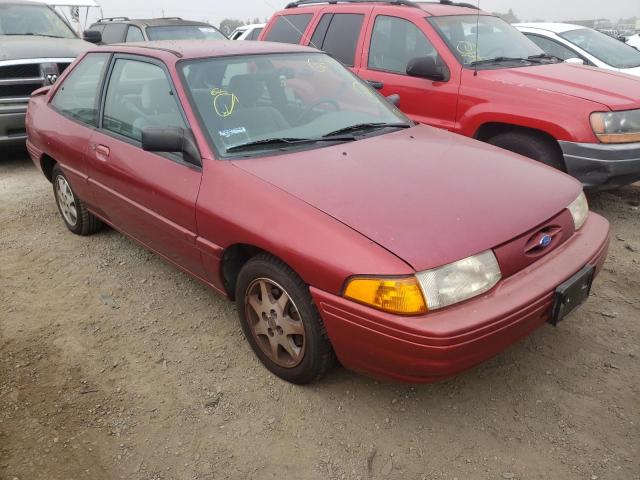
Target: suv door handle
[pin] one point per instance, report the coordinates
(102, 152)
(378, 85)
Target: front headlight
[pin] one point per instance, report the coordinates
(460, 280)
(617, 127)
(579, 209)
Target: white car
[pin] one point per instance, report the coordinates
(634, 41)
(247, 32)
(568, 41)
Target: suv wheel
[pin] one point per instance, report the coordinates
(532, 145)
(74, 213)
(280, 321)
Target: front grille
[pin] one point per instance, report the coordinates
(20, 71)
(20, 90)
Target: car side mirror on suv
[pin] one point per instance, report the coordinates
(171, 140)
(574, 61)
(429, 68)
(92, 36)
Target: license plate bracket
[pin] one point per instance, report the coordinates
(571, 294)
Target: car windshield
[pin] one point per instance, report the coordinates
(184, 32)
(605, 48)
(254, 105)
(21, 19)
(495, 39)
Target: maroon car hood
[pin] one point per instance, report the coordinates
(426, 195)
(615, 90)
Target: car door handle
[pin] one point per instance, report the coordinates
(378, 85)
(102, 152)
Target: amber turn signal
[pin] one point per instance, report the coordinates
(401, 296)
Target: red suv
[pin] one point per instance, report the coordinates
(506, 91)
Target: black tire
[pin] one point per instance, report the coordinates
(318, 356)
(532, 145)
(85, 223)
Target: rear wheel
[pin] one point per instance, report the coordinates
(280, 321)
(74, 213)
(532, 145)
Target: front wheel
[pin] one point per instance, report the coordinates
(74, 213)
(280, 321)
(533, 145)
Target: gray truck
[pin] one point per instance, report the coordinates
(36, 46)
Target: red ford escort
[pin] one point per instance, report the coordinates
(340, 228)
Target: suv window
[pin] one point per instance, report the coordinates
(114, 32)
(289, 28)
(338, 36)
(255, 34)
(134, 34)
(395, 42)
(552, 47)
(139, 95)
(78, 95)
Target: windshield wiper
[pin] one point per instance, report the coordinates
(367, 126)
(544, 56)
(288, 141)
(31, 34)
(498, 60)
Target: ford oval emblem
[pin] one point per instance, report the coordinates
(545, 241)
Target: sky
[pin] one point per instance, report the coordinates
(216, 10)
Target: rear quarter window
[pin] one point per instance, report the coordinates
(289, 28)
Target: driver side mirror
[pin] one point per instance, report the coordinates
(92, 36)
(171, 140)
(429, 68)
(574, 61)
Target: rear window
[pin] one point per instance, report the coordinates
(289, 28)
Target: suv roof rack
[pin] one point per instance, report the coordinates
(114, 19)
(407, 3)
(300, 3)
(168, 18)
(458, 4)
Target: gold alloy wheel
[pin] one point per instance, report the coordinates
(275, 322)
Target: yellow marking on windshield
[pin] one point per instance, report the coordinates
(224, 103)
(319, 67)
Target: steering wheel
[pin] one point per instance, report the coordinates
(322, 101)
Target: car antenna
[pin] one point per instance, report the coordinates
(475, 72)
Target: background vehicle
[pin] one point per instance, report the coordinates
(594, 48)
(511, 94)
(247, 32)
(219, 157)
(36, 46)
(123, 29)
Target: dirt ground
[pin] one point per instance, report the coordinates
(114, 365)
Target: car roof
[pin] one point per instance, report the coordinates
(21, 2)
(550, 27)
(151, 22)
(194, 49)
(434, 8)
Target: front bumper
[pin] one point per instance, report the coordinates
(602, 166)
(12, 117)
(444, 343)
